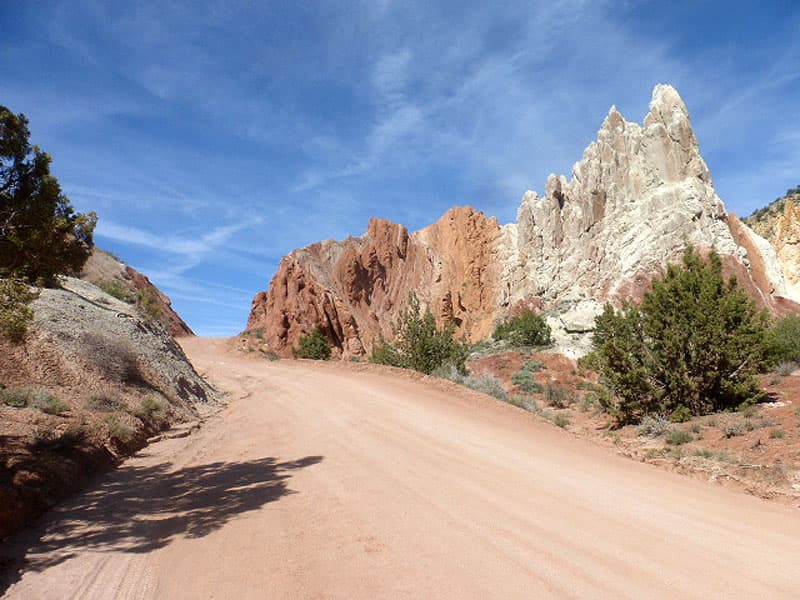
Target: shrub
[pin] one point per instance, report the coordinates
(533, 366)
(149, 304)
(149, 408)
(118, 429)
(736, 428)
(485, 382)
(783, 340)
(777, 434)
(655, 426)
(313, 345)
(488, 384)
(16, 313)
(558, 396)
(525, 329)
(40, 399)
(15, 397)
(678, 437)
(117, 289)
(47, 403)
(420, 344)
(524, 381)
(695, 341)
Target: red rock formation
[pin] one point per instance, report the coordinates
(637, 196)
(355, 288)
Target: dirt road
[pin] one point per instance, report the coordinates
(341, 481)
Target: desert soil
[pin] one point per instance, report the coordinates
(356, 481)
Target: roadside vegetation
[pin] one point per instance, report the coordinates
(313, 345)
(421, 345)
(694, 346)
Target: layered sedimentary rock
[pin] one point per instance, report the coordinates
(779, 223)
(638, 195)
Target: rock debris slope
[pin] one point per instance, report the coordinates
(639, 193)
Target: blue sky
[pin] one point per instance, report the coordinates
(212, 138)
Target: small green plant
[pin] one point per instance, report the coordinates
(149, 304)
(562, 420)
(558, 396)
(777, 434)
(16, 314)
(737, 428)
(15, 397)
(313, 345)
(118, 429)
(116, 289)
(718, 456)
(525, 329)
(47, 402)
(524, 381)
(533, 366)
(678, 437)
(150, 408)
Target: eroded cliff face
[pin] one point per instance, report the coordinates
(638, 195)
(779, 223)
(355, 288)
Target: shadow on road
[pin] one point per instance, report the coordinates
(140, 509)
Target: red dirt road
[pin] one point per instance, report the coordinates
(348, 481)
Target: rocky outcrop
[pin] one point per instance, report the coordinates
(103, 269)
(638, 195)
(354, 289)
(779, 223)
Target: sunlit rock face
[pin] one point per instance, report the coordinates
(638, 195)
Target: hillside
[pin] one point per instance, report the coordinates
(639, 193)
(779, 222)
(127, 284)
(92, 381)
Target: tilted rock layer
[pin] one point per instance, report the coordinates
(780, 224)
(102, 267)
(639, 194)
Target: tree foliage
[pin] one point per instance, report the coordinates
(40, 233)
(313, 345)
(783, 340)
(696, 342)
(15, 310)
(419, 344)
(525, 329)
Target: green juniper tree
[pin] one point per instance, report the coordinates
(694, 344)
(419, 344)
(41, 235)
